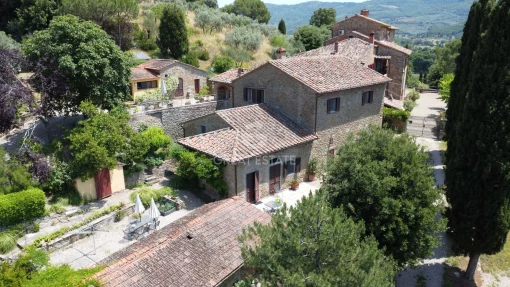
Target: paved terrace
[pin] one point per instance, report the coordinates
(291, 197)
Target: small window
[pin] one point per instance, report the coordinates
(274, 161)
(203, 130)
(367, 97)
(341, 32)
(293, 166)
(146, 85)
(333, 105)
(253, 95)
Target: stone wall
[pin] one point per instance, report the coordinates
(188, 74)
(281, 92)
(397, 71)
(211, 123)
(352, 117)
(363, 26)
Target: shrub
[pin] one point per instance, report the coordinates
(147, 193)
(409, 105)
(36, 227)
(221, 64)
(191, 59)
(204, 91)
(156, 138)
(20, 206)
(413, 95)
(8, 238)
(202, 54)
(243, 37)
(389, 113)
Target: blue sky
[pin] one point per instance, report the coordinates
(222, 3)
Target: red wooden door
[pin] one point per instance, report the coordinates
(180, 88)
(103, 184)
(274, 178)
(197, 86)
(252, 187)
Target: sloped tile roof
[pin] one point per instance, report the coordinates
(397, 104)
(228, 76)
(140, 73)
(387, 44)
(256, 130)
(157, 64)
(352, 48)
(369, 19)
(167, 257)
(332, 73)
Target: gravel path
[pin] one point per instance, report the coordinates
(431, 268)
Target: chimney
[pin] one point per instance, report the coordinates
(240, 72)
(365, 12)
(372, 36)
(281, 53)
(346, 17)
(336, 47)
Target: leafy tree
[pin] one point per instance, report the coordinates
(421, 59)
(444, 87)
(173, 36)
(281, 27)
(255, 9)
(314, 244)
(191, 59)
(221, 64)
(13, 93)
(312, 37)
(124, 11)
(478, 187)
(244, 37)
(323, 17)
(7, 43)
(8, 12)
(239, 56)
(74, 61)
(33, 15)
(13, 176)
(444, 62)
(103, 139)
(386, 182)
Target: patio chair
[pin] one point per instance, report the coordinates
(128, 233)
(153, 224)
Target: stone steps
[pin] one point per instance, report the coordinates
(151, 180)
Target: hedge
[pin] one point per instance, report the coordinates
(20, 206)
(389, 113)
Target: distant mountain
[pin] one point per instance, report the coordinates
(411, 16)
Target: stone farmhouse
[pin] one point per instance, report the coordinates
(383, 55)
(222, 83)
(200, 249)
(151, 75)
(284, 113)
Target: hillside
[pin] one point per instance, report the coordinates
(411, 16)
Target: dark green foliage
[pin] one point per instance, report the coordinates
(281, 27)
(173, 37)
(323, 17)
(478, 161)
(314, 244)
(202, 54)
(255, 9)
(7, 43)
(20, 206)
(420, 60)
(13, 176)
(222, 64)
(146, 193)
(158, 146)
(191, 59)
(33, 15)
(60, 181)
(386, 181)
(8, 12)
(102, 140)
(390, 113)
(74, 61)
(312, 37)
(444, 62)
(239, 55)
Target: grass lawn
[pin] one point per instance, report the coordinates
(498, 264)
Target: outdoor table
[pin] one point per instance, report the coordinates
(273, 206)
(137, 227)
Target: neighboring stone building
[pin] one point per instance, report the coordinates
(308, 105)
(151, 75)
(388, 58)
(222, 84)
(200, 249)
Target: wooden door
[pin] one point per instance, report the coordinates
(252, 187)
(180, 88)
(274, 178)
(103, 184)
(197, 86)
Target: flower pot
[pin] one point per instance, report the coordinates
(311, 177)
(294, 186)
(421, 90)
(201, 100)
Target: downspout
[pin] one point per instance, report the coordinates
(232, 95)
(235, 177)
(316, 112)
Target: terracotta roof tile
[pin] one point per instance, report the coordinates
(255, 130)
(390, 45)
(157, 64)
(228, 76)
(168, 257)
(140, 73)
(332, 73)
(369, 19)
(352, 48)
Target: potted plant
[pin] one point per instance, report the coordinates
(294, 184)
(312, 168)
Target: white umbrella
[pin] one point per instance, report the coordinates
(153, 211)
(163, 87)
(139, 208)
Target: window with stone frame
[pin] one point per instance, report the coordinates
(292, 166)
(333, 105)
(146, 85)
(255, 96)
(367, 97)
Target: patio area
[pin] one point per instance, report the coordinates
(288, 196)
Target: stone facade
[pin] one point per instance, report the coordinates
(364, 26)
(397, 71)
(210, 123)
(281, 91)
(189, 75)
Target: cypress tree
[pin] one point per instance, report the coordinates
(281, 27)
(173, 37)
(479, 137)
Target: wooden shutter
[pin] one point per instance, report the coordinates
(256, 186)
(254, 94)
(245, 94)
(362, 98)
(298, 165)
(329, 106)
(371, 97)
(337, 104)
(285, 171)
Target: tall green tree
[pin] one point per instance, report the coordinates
(255, 9)
(445, 86)
(444, 62)
(312, 37)
(323, 17)
(386, 182)
(314, 244)
(73, 61)
(173, 36)
(33, 15)
(478, 160)
(13, 176)
(282, 28)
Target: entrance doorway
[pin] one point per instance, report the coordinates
(274, 176)
(103, 184)
(252, 187)
(180, 89)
